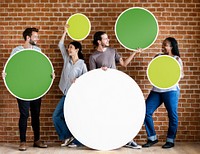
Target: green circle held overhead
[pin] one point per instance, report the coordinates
(136, 28)
(79, 26)
(28, 74)
(164, 72)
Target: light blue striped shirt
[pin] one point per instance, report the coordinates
(19, 48)
(70, 71)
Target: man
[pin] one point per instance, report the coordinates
(106, 57)
(31, 37)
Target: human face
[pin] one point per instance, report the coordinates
(34, 38)
(72, 51)
(104, 40)
(166, 47)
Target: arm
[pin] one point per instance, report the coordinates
(128, 60)
(61, 44)
(92, 63)
(84, 70)
(181, 64)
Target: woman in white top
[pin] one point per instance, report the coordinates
(73, 67)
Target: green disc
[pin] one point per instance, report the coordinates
(79, 27)
(136, 28)
(28, 74)
(164, 72)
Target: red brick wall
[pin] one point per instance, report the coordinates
(176, 18)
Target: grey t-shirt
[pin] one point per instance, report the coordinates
(108, 58)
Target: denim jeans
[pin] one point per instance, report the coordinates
(34, 107)
(59, 122)
(170, 100)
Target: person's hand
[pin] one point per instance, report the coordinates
(3, 74)
(53, 76)
(104, 68)
(66, 27)
(139, 50)
(74, 80)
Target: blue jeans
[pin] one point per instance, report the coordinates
(59, 122)
(154, 100)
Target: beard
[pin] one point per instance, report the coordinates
(32, 42)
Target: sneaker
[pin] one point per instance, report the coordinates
(67, 141)
(133, 145)
(149, 143)
(72, 145)
(39, 144)
(22, 146)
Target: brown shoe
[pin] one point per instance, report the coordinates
(22, 146)
(39, 144)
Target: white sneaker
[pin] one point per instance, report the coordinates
(133, 145)
(67, 142)
(72, 145)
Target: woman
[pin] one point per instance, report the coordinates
(168, 96)
(73, 67)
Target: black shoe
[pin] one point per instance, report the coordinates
(149, 143)
(168, 145)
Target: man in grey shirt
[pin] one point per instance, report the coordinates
(106, 57)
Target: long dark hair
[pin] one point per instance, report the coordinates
(78, 45)
(174, 45)
(97, 37)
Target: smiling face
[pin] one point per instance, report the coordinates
(166, 47)
(33, 39)
(72, 51)
(104, 40)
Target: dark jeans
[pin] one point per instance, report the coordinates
(34, 107)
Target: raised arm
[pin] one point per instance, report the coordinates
(124, 63)
(61, 43)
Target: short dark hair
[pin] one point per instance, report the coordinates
(174, 45)
(78, 46)
(28, 32)
(97, 36)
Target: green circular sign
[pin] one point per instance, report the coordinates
(79, 26)
(136, 28)
(28, 74)
(164, 72)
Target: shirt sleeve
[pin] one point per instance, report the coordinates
(63, 51)
(13, 52)
(92, 63)
(117, 57)
(84, 69)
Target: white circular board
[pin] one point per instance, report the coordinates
(104, 110)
